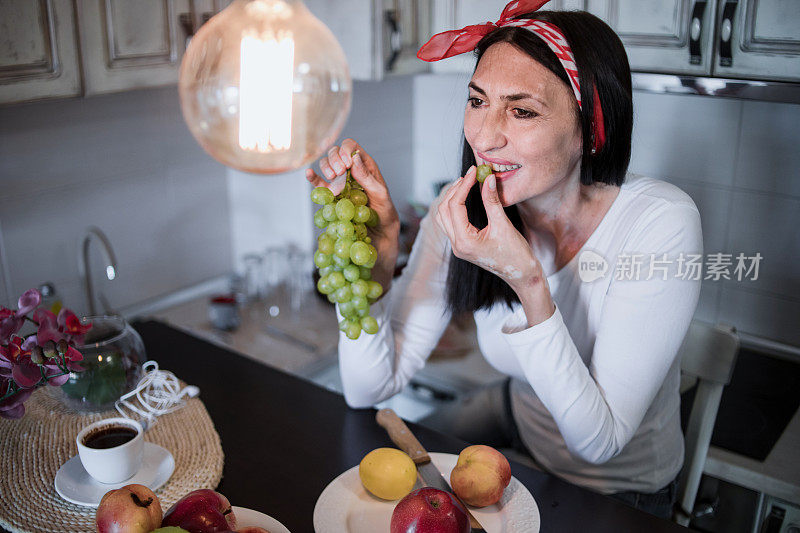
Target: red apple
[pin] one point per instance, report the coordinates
(201, 511)
(480, 475)
(429, 510)
(130, 509)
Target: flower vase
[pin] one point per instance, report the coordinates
(113, 354)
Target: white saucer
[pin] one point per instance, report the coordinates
(76, 486)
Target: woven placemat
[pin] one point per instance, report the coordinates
(33, 448)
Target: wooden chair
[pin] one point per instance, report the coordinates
(708, 353)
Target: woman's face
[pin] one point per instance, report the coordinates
(522, 119)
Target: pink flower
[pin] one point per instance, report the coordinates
(48, 327)
(46, 357)
(12, 321)
(13, 406)
(29, 301)
(69, 324)
(66, 327)
(13, 357)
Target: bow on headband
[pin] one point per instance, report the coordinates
(455, 42)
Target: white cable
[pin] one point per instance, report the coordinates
(158, 392)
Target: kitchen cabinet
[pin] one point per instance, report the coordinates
(357, 25)
(38, 51)
(670, 36)
(378, 37)
(128, 45)
(757, 39)
(123, 45)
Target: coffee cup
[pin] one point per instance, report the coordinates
(111, 450)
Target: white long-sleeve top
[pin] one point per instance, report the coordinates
(595, 387)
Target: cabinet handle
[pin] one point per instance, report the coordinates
(696, 32)
(726, 33)
(395, 38)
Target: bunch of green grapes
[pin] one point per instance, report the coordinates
(345, 255)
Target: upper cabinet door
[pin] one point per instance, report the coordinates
(38, 50)
(127, 44)
(759, 39)
(673, 36)
(357, 25)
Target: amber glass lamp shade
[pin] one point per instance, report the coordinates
(264, 86)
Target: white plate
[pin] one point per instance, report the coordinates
(249, 518)
(76, 486)
(346, 507)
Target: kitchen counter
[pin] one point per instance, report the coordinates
(305, 345)
(294, 343)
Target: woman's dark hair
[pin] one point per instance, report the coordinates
(602, 63)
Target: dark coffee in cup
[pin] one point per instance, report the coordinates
(109, 437)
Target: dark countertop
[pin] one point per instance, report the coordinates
(285, 439)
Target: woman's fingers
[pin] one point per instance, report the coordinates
(452, 216)
(457, 202)
(325, 168)
(314, 179)
(491, 202)
(335, 161)
(346, 151)
(446, 222)
(372, 184)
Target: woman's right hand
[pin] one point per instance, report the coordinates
(366, 172)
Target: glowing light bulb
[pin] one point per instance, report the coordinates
(265, 93)
(264, 86)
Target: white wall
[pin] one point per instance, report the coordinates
(381, 120)
(126, 163)
(439, 101)
(268, 210)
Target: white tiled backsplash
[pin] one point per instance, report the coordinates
(739, 161)
(126, 163)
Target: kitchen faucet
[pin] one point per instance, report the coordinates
(83, 263)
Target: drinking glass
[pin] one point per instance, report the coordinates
(275, 270)
(253, 269)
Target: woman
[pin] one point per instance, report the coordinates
(572, 273)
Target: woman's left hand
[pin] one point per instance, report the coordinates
(499, 247)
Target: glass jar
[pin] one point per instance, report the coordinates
(113, 354)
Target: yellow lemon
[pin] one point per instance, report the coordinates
(388, 473)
